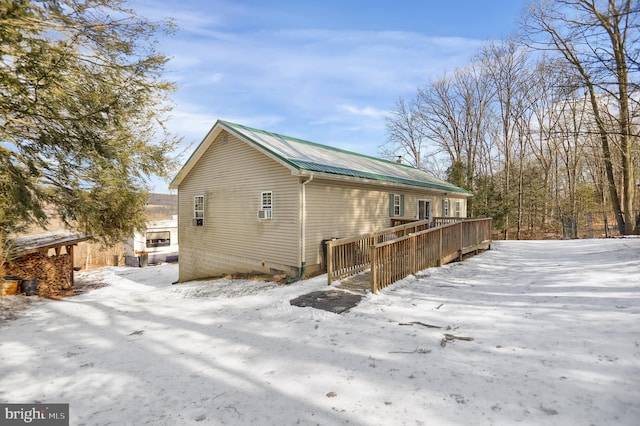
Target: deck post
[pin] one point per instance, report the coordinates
(414, 254)
(439, 262)
(374, 270)
(460, 240)
(329, 262)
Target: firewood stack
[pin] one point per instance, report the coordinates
(54, 273)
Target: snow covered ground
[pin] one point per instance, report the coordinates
(555, 328)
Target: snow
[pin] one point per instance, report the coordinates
(554, 326)
(58, 238)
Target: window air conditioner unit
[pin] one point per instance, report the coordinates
(198, 222)
(264, 214)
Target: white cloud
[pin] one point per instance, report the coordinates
(322, 62)
(327, 86)
(193, 124)
(364, 111)
(336, 86)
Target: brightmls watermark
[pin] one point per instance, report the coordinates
(34, 414)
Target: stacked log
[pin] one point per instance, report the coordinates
(54, 273)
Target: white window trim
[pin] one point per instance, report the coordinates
(429, 202)
(266, 209)
(446, 207)
(397, 205)
(458, 208)
(198, 214)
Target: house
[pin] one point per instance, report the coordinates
(250, 200)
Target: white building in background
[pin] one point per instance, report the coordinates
(159, 243)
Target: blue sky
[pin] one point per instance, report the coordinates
(326, 71)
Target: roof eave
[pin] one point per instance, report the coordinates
(196, 155)
(352, 179)
(23, 245)
(213, 133)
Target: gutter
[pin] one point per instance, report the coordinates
(385, 183)
(303, 234)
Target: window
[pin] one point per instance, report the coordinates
(445, 208)
(396, 205)
(158, 239)
(198, 210)
(458, 208)
(266, 205)
(424, 207)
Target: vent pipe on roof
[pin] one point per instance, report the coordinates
(399, 159)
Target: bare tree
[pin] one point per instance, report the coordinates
(597, 39)
(532, 134)
(405, 137)
(453, 112)
(506, 65)
(546, 107)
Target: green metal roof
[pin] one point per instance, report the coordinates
(322, 168)
(306, 156)
(314, 157)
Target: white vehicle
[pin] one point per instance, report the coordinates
(159, 243)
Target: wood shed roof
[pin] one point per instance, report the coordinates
(45, 240)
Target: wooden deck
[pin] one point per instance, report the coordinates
(350, 256)
(399, 251)
(396, 259)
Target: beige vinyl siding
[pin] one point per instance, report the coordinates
(336, 209)
(438, 207)
(344, 209)
(232, 175)
(411, 204)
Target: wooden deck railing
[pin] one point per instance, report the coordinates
(397, 221)
(350, 256)
(395, 259)
(445, 220)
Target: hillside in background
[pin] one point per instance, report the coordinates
(162, 206)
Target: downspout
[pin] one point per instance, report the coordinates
(303, 228)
